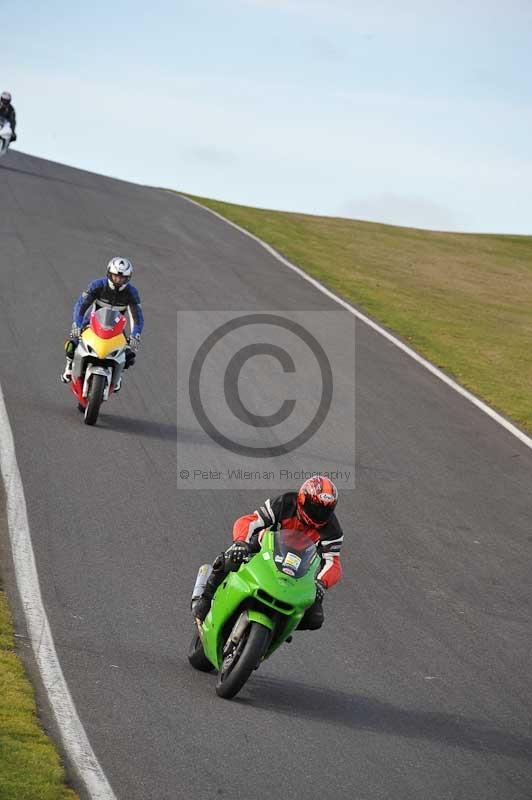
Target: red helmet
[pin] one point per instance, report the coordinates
(316, 501)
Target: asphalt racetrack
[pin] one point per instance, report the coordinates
(419, 685)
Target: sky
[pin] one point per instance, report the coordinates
(408, 113)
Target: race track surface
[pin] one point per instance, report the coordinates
(419, 684)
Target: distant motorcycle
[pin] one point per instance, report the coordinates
(98, 361)
(6, 134)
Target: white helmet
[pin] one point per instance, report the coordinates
(119, 272)
(5, 97)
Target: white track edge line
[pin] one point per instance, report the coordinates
(513, 429)
(71, 729)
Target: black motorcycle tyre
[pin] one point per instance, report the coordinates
(251, 651)
(196, 655)
(96, 391)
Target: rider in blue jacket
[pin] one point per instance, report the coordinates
(116, 291)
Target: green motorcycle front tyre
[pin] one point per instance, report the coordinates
(240, 662)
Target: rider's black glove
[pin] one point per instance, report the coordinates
(320, 591)
(239, 552)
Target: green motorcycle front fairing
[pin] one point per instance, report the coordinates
(274, 588)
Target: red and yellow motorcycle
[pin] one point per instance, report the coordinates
(98, 361)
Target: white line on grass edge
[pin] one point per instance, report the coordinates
(526, 440)
(71, 729)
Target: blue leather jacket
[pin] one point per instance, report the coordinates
(100, 294)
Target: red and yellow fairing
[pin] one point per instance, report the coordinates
(102, 347)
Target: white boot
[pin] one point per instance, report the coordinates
(66, 377)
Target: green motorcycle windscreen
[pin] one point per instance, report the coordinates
(293, 552)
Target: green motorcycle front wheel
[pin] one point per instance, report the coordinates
(242, 659)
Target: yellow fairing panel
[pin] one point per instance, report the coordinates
(102, 347)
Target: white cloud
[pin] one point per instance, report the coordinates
(399, 209)
(401, 159)
(394, 16)
(213, 156)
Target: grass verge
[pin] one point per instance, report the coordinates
(30, 767)
(464, 301)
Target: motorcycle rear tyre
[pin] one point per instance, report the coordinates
(196, 655)
(96, 391)
(231, 680)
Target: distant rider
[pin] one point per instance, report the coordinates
(310, 510)
(8, 112)
(116, 291)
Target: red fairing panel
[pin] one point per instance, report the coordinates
(76, 387)
(107, 333)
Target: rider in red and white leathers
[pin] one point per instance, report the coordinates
(310, 510)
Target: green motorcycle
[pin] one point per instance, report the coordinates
(256, 609)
